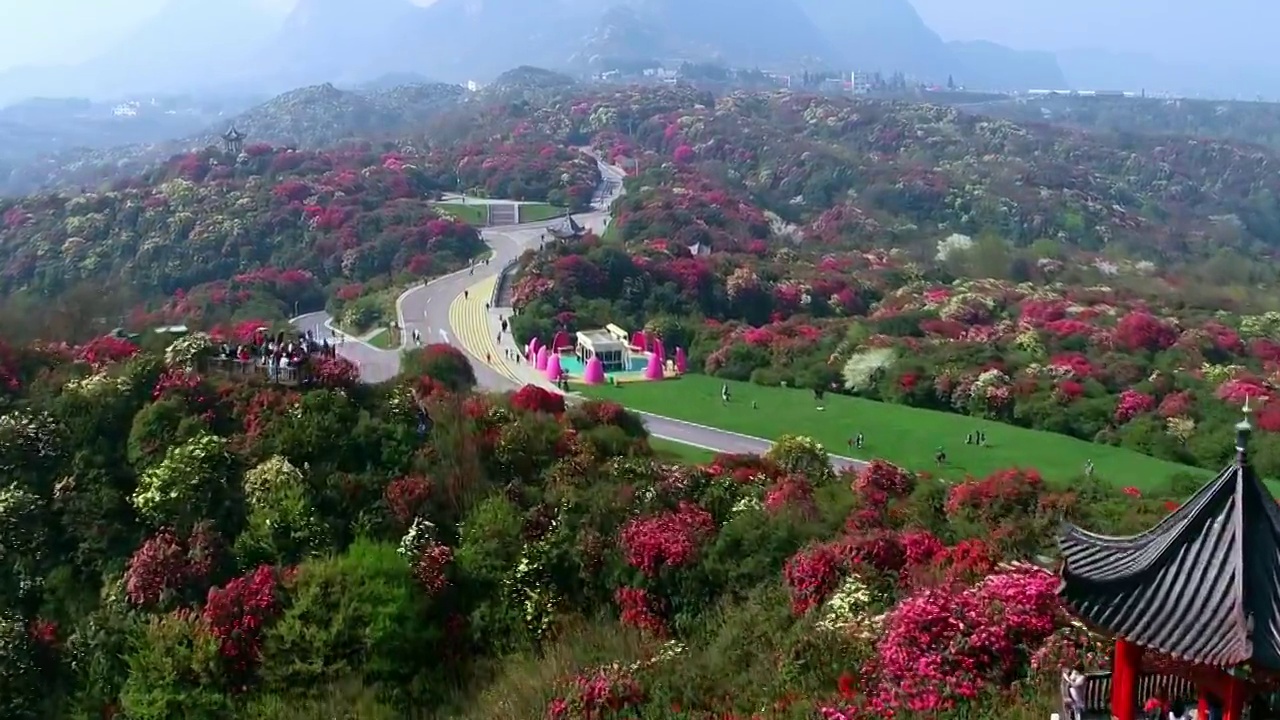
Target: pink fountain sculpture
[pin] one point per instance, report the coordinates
(638, 340)
(533, 347)
(682, 360)
(653, 371)
(560, 341)
(553, 367)
(540, 360)
(594, 372)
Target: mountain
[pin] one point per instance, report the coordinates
(889, 35)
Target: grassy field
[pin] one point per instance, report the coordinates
(539, 212)
(472, 214)
(385, 339)
(903, 435)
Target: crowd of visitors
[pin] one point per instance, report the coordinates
(282, 356)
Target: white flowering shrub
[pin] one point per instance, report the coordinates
(274, 473)
(178, 489)
(849, 607)
(420, 533)
(860, 370)
(953, 244)
(186, 352)
(803, 455)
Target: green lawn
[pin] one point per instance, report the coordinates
(385, 339)
(472, 214)
(903, 435)
(540, 212)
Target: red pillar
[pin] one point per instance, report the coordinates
(1202, 708)
(1233, 703)
(1124, 680)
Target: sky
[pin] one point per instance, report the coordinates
(84, 28)
(1224, 32)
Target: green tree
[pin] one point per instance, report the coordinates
(174, 671)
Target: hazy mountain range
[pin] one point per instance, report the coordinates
(196, 45)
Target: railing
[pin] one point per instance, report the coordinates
(254, 368)
(1097, 692)
(502, 288)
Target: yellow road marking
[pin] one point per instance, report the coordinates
(470, 324)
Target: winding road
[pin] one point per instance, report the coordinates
(449, 309)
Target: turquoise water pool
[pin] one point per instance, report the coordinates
(573, 366)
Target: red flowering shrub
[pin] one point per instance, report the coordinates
(407, 498)
(237, 615)
(534, 398)
(165, 566)
(443, 363)
(793, 492)
(640, 610)
(432, 566)
(1132, 492)
(1176, 404)
(157, 571)
(941, 646)
(1236, 390)
(880, 550)
(668, 539)
(334, 372)
(599, 695)
(813, 574)
(1143, 331)
(106, 350)
(1005, 495)
(878, 481)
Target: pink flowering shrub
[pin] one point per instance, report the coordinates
(601, 694)
(1131, 404)
(943, 646)
(1003, 496)
(407, 498)
(669, 539)
(534, 398)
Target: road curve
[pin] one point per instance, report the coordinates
(426, 308)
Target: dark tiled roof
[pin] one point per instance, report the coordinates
(566, 228)
(1203, 585)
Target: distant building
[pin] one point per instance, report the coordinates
(860, 83)
(473, 86)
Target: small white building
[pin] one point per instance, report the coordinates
(613, 354)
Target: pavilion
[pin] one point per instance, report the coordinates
(567, 229)
(1200, 590)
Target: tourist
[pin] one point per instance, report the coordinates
(858, 441)
(1088, 469)
(724, 393)
(968, 439)
(466, 294)
(1074, 681)
(486, 307)
(940, 456)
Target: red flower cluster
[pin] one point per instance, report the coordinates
(1003, 495)
(407, 497)
(176, 381)
(106, 350)
(793, 492)
(597, 695)
(534, 398)
(166, 566)
(334, 372)
(669, 539)
(1132, 404)
(237, 615)
(1143, 331)
(432, 567)
(879, 481)
(640, 610)
(813, 574)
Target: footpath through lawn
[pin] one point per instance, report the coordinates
(906, 436)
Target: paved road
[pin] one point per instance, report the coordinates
(441, 310)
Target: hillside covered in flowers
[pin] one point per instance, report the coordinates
(1100, 288)
(178, 542)
(207, 237)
